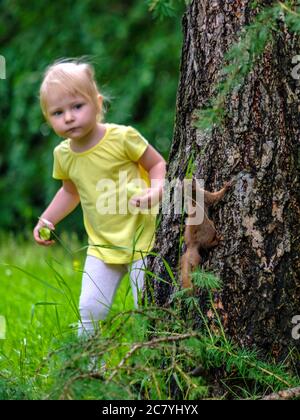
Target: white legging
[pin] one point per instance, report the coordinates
(100, 282)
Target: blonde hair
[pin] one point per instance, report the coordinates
(73, 77)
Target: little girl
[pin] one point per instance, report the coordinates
(98, 163)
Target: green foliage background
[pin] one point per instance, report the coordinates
(137, 64)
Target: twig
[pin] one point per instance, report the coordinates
(285, 7)
(151, 343)
(286, 394)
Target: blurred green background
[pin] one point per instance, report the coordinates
(136, 57)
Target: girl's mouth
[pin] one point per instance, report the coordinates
(72, 129)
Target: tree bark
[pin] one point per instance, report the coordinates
(258, 260)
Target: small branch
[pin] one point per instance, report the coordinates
(286, 8)
(286, 394)
(151, 344)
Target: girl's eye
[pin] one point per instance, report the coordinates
(78, 106)
(56, 113)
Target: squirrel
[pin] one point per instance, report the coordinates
(199, 236)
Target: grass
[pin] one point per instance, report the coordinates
(152, 353)
(39, 289)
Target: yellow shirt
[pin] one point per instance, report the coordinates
(100, 174)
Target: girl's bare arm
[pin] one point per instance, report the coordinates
(63, 203)
(155, 165)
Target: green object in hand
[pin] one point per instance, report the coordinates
(45, 233)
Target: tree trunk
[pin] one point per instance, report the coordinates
(258, 259)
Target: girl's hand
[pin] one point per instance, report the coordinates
(147, 200)
(43, 223)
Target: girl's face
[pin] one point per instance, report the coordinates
(71, 116)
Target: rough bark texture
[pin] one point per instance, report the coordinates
(258, 259)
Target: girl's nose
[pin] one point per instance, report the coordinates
(69, 116)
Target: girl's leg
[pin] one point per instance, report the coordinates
(99, 285)
(137, 275)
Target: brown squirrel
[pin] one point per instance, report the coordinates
(199, 236)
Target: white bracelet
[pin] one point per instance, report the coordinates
(45, 221)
